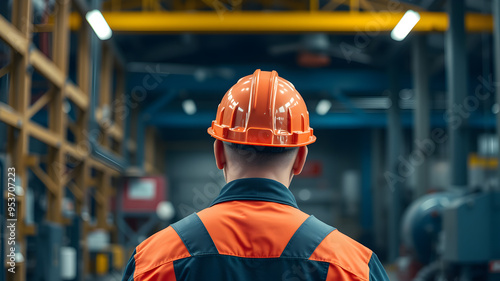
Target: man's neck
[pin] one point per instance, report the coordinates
(260, 174)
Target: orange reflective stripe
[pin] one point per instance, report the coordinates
(159, 249)
(164, 272)
(251, 228)
(343, 252)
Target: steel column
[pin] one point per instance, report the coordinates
(125, 151)
(101, 153)
(394, 151)
(141, 136)
(456, 74)
(379, 198)
(95, 62)
(421, 128)
(366, 185)
(496, 48)
(144, 119)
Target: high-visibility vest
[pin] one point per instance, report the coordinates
(252, 231)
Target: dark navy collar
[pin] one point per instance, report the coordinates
(256, 189)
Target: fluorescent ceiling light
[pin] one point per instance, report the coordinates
(99, 24)
(323, 107)
(405, 25)
(189, 106)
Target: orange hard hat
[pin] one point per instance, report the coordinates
(263, 109)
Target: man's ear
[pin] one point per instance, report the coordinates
(220, 157)
(300, 160)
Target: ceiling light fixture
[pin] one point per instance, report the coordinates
(99, 24)
(323, 107)
(189, 106)
(405, 25)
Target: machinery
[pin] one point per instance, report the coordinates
(456, 235)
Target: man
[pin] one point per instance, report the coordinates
(254, 229)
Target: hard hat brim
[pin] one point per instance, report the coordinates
(311, 140)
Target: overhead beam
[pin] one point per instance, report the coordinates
(202, 120)
(346, 80)
(321, 21)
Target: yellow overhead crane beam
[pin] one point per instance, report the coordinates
(316, 21)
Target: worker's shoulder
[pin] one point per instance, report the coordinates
(344, 252)
(162, 238)
(163, 247)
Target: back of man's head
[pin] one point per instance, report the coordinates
(262, 129)
(259, 157)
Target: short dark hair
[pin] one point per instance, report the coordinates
(260, 155)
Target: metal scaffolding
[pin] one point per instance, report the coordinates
(89, 172)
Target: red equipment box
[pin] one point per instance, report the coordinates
(142, 194)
